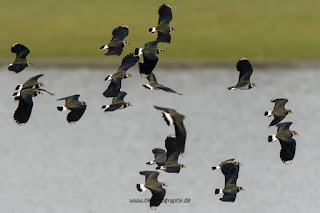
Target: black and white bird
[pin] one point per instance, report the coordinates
(23, 112)
(163, 28)
(76, 107)
(114, 87)
(150, 59)
(245, 69)
(171, 116)
(117, 103)
(279, 112)
(20, 63)
(171, 165)
(31, 83)
(230, 169)
(154, 186)
(288, 144)
(154, 85)
(117, 43)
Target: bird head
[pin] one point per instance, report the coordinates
(294, 133)
(160, 50)
(37, 93)
(29, 63)
(128, 104)
(252, 85)
(163, 184)
(289, 111)
(182, 166)
(240, 189)
(237, 163)
(83, 103)
(125, 43)
(40, 84)
(171, 29)
(127, 75)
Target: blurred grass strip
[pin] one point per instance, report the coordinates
(206, 30)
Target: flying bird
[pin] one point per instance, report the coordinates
(23, 112)
(160, 156)
(150, 59)
(288, 144)
(154, 186)
(115, 46)
(230, 169)
(163, 28)
(279, 112)
(20, 62)
(245, 69)
(77, 108)
(154, 85)
(116, 79)
(171, 116)
(171, 165)
(117, 103)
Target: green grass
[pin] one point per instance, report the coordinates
(206, 30)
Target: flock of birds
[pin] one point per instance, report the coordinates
(166, 159)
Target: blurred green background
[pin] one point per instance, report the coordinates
(206, 30)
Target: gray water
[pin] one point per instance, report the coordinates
(51, 166)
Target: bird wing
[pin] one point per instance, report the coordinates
(158, 151)
(283, 126)
(76, 114)
(115, 50)
(230, 171)
(150, 175)
(164, 36)
(148, 65)
(288, 149)
(165, 14)
(276, 120)
(127, 62)
(70, 98)
(20, 50)
(113, 107)
(119, 98)
(32, 80)
(113, 88)
(181, 135)
(157, 196)
(229, 197)
(152, 78)
(245, 69)
(279, 103)
(172, 149)
(120, 33)
(23, 112)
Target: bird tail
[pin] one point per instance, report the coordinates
(216, 167)
(16, 94)
(147, 86)
(105, 106)
(151, 162)
(61, 108)
(231, 88)
(141, 187)
(152, 30)
(18, 87)
(267, 113)
(218, 191)
(272, 138)
(108, 78)
(104, 47)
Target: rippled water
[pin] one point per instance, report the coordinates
(49, 165)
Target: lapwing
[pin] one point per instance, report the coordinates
(245, 69)
(116, 79)
(163, 28)
(173, 152)
(23, 112)
(171, 116)
(230, 169)
(31, 83)
(149, 57)
(154, 85)
(77, 108)
(288, 144)
(115, 46)
(160, 156)
(279, 112)
(20, 63)
(117, 103)
(154, 186)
